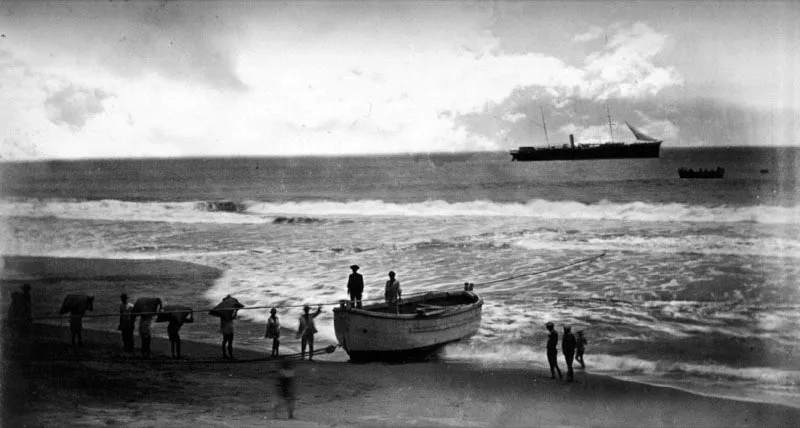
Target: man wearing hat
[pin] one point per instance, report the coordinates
(126, 322)
(355, 287)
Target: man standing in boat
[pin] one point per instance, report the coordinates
(392, 294)
(355, 287)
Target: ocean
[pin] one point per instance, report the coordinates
(698, 287)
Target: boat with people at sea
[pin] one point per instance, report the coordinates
(424, 323)
(701, 173)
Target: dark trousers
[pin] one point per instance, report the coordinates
(569, 355)
(552, 358)
(127, 339)
(146, 346)
(355, 300)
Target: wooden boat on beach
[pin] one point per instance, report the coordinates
(425, 323)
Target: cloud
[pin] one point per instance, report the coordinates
(73, 106)
(593, 33)
(624, 68)
(178, 40)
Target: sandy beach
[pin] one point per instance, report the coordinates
(46, 382)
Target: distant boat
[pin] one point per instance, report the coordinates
(701, 173)
(643, 147)
(425, 323)
(764, 171)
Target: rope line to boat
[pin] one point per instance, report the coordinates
(376, 299)
(543, 271)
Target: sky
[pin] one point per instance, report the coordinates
(166, 79)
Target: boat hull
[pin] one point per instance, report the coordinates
(602, 151)
(371, 333)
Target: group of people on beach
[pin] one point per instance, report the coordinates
(572, 348)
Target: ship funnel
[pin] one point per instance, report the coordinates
(571, 141)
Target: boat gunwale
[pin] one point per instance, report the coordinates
(457, 309)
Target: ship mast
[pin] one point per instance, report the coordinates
(610, 130)
(544, 125)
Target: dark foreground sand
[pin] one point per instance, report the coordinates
(46, 382)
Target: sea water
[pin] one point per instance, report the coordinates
(698, 287)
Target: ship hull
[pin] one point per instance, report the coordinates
(603, 151)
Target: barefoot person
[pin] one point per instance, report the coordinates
(581, 348)
(126, 322)
(355, 287)
(226, 328)
(306, 331)
(568, 348)
(173, 332)
(392, 294)
(273, 331)
(552, 351)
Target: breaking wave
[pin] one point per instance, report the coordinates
(265, 212)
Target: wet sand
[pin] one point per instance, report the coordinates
(46, 382)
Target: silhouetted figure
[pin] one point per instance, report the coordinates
(582, 342)
(145, 334)
(173, 332)
(126, 322)
(76, 305)
(306, 331)
(20, 312)
(392, 294)
(355, 287)
(273, 331)
(286, 388)
(568, 348)
(226, 328)
(552, 351)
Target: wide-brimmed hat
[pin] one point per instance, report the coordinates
(567, 328)
(549, 324)
(354, 267)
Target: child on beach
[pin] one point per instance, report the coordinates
(286, 388)
(581, 347)
(273, 331)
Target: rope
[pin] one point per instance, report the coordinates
(319, 304)
(543, 271)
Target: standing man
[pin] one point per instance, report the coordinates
(581, 348)
(568, 348)
(355, 287)
(552, 351)
(126, 322)
(392, 294)
(306, 331)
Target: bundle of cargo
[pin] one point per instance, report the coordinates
(178, 313)
(227, 308)
(146, 305)
(77, 304)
